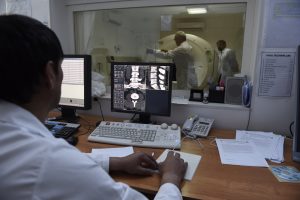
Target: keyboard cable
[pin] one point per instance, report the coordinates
(100, 107)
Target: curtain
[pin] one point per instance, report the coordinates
(84, 31)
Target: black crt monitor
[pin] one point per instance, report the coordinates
(296, 138)
(141, 88)
(76, 86)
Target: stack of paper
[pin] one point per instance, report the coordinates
(244, 153)
(251, 148)
(267, 143)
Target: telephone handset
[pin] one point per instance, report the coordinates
(197, 126)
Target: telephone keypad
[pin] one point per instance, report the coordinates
(202, 127)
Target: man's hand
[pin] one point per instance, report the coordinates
(136, 163)
(172, 169)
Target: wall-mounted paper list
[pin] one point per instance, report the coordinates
(276, 74)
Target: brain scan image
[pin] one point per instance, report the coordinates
(134, 99)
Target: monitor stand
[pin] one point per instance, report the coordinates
(69, 115)
(143, 119)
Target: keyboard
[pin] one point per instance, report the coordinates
(134, 134)
(62, 129)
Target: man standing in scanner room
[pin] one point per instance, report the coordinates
(228, 65)
(182, 57)
(36, 165)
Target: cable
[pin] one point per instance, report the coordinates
(213, 140)
(88, 124)
(132, 118)
(192, 137)
(248, 122)
(291, 131)
(99, 103)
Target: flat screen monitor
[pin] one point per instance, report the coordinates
(76, 85)
(141, 88)
(296, 138)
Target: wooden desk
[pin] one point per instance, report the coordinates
(212, 180)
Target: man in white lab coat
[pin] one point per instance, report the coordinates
(182, 57)
(228, 65)
(36, 165)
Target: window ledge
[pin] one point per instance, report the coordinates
(184, 101)
(208, 105)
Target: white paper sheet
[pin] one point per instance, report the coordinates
(192, 160)
(278, 152)
(114, 152)
(267, 143)
(233, 152)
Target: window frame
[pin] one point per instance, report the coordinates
(250, 33)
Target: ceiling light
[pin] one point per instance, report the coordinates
(196, 10)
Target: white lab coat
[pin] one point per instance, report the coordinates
(228, 65)
(35, 165)
(185, 70)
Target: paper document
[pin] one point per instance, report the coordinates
(114, 152)
(267, 143)
(192, 160)
(233, 152)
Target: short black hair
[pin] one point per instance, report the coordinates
(26, 46)
(221, 42)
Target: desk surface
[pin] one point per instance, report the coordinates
(212, 180)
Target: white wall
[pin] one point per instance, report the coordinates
(60, 24)
(38, 9)
(271, 113)
(267, 114)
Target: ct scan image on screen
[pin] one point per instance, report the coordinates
(141, 88)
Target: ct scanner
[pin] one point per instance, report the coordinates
(203, 56)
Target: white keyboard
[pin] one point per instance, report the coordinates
(133, 134)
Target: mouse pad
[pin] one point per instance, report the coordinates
(192, 160)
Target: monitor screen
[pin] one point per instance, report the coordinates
(141, 88)
(76, 85)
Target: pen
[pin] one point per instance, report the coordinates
(152, 154)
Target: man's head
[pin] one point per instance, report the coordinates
(221, 44)
(30, 60)
(180, 37)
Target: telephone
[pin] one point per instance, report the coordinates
(197, 126)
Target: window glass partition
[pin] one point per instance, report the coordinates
(131, 35)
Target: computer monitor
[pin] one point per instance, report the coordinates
(76, 86)
(141, 88)
(296, 138)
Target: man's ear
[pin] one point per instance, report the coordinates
(50, 75)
